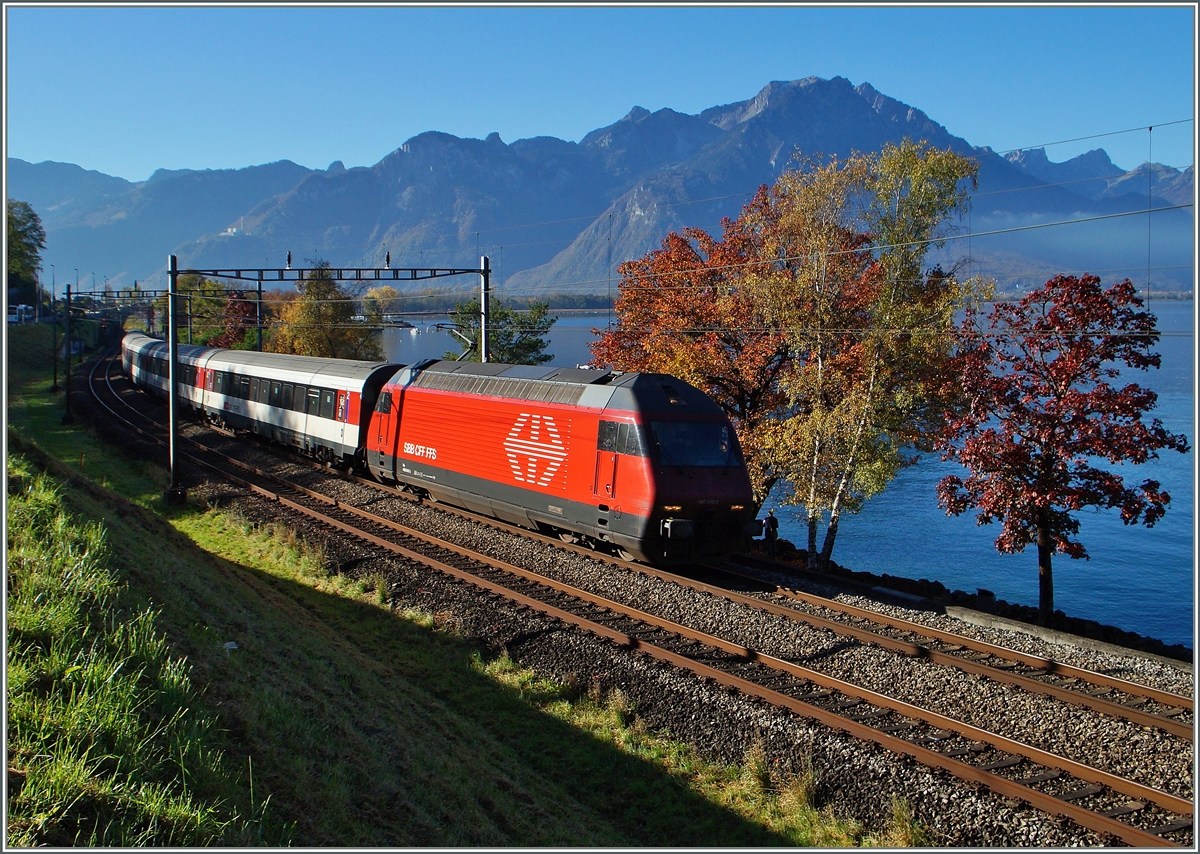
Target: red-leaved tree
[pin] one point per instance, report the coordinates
(1040, 413)
(240, 316)
(682, 310)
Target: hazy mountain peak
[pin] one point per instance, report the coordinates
(895, 111)
(739, 112)
(1093, 164)
(640, 176)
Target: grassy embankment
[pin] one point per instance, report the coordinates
(181, 677)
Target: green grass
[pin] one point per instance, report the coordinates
(106, 746)
(207, 681)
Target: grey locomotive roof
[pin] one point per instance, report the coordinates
(223, 359)
(544, 373)
(599, 389)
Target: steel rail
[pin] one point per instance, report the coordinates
(1174, 727)
(1037, 662)
(1009, 788)
(1084, 772)
(1181, 729)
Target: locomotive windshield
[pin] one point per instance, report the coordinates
(695, 443)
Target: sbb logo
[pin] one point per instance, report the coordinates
(535, 449)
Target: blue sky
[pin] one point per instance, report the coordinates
(128, 90)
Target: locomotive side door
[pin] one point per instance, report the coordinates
(605, 485)
(606, 475)
(382, 433)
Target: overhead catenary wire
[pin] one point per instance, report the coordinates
(906, 244)
(550, 287)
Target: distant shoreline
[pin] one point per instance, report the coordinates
(1152, 297)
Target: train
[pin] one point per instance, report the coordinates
(641, 464)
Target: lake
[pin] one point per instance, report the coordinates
(1139, 579)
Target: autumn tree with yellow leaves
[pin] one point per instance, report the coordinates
(319, 321)
(813, 322)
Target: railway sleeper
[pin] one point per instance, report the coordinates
(1124, 809)
(1007, 762)
(1171, 827)
(1080, 793)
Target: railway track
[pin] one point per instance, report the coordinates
(1106, 803)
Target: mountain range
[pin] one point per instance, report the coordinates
(559, 216)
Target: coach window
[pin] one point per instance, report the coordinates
(264, 391)
(285, 399)
(244, 388)
(299, 398)
(276, 394)
(328, 402)
(254, 389)
(314, 401)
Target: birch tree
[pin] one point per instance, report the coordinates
(871, 329)
(813, 322)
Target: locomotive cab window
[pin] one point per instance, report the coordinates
(695, 443)
(384, 404)
(621, 437)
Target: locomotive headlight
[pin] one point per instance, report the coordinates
(737, 506)
(672, 508)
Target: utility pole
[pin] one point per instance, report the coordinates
(175, 494)
(484, 283)
(258, 311)
(67, 417)
(53, 328)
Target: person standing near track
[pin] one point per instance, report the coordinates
(771, 531)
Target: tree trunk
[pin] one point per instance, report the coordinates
(1045, 546)
(830, 536)
(813, 518)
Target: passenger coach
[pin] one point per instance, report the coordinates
(316, 405)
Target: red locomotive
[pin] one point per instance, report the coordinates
(643, 462)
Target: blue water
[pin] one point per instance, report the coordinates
(1139, 579)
